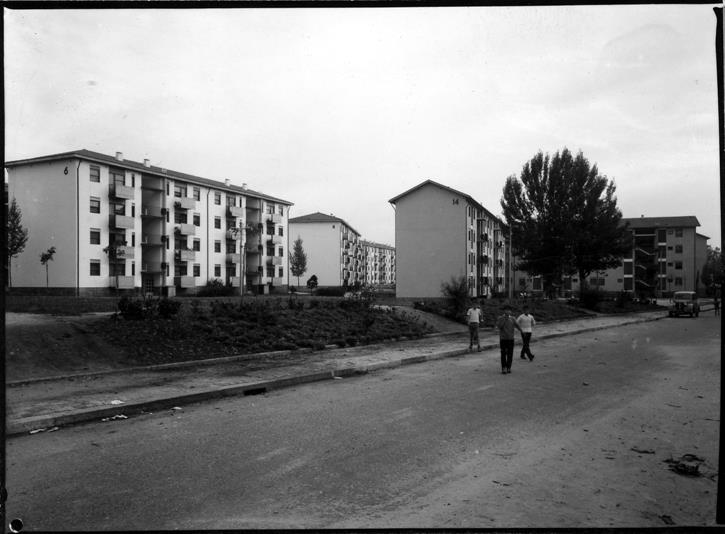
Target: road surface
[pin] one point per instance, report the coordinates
(579, 437)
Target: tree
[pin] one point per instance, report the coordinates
(713, 272)
(17, 235)
(116, 251)
(564, 218)
(312, 282)
(298, 262)
(45, 257)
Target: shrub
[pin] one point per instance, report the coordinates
(589, 299)
(330, 291)
(216, 288)
(312, 282)
(456, 293)
(168, 308)
(131, 308)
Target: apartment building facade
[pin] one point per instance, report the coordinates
(442, 233)
(333, 248)
(666, 255)
(378, 264)
(163, 231)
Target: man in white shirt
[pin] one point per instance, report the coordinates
(526, 322)
(473, 316)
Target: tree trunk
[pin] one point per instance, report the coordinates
(47, 283)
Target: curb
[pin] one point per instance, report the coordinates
(23, 425)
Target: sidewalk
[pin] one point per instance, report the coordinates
(43, 404)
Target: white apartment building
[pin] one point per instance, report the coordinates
(333, 249)
(442, 233)
(378, 264)
(174, 231)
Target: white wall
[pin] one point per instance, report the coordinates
(322, 243)
(430, 241)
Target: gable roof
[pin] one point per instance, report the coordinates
(450, 189)
(97, 157)
(319, 217)
(688, 221)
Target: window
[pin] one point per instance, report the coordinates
(180, 191)
(270, 208)
(95, 267)
(280, 231)
(217, 247)
(231, 269)
(180, 217)
(197, 270)
(231, 200)
(95, 205)
(678, 249)
(217, 198)
(628, 284)
(117, 269)
(281, 210)
(217, 270)
(133, 268)
(133, 239)
(270, 271)
(116, 176)
(95, 236)
(270, 229)
(281, 252)
(95, 173)
(197, 219)
(133, 210)
(196, 245)
(133, 180)
(197, 193)
(678, 232)
(270, 250)
(119, 209)
(628, 267)
(678, 265)
(281, 272)
(217, 222)
(661, 236)
(231, 247)
(167, 192)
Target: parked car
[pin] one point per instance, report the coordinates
(684, 303)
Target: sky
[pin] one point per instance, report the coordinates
(338, 110)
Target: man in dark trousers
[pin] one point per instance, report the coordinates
(506, 325)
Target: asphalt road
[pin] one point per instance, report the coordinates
(578, 437)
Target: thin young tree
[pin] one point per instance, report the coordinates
(45, 257)
(17, 234)
(298, 262)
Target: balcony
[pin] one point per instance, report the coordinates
(126, 253)
(155, 212)
(235, 211)
(185, 255)
(273, 218)
(232, 257)
(124, 282)
(254, 203)
(253, 228)
(121, 191)
(274, 239)
(185, 229)
(153, 240)
(120, 221)
(234, 282)
(184, 281)
(153, 267)
(152, 183)
(274, 260)
(185, 203)
(253, 248)
(254, 269)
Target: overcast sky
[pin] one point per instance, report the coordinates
(339, 110)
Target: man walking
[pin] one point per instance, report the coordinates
(526, 321)
(506, 324)
(473, 316)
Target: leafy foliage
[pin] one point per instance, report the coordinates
(456, 294)
(45, 257)
(17, 234)
(216, 288)
(563, 217)
(312, 282)
(713, 272)
(298, 261)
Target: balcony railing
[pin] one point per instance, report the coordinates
(232, 257)
(254, 269)
(126, 253)
(185, 203)
(235, 211)
(185, 255)
(152, 211)
(153, 240)
(153, 267)
(253, 248)
(124, 282)
(120, 221)
(273, 218)
(185, 229)
(184, 281)
(274, 260)
(120, 191)
(275, 239)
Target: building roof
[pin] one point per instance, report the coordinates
(318, 217)
(454, 191)
(374, 244)
(97, 157)
(688, 221)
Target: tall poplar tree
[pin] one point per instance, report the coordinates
(563, 218)
(17, 235)
(298, 262)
